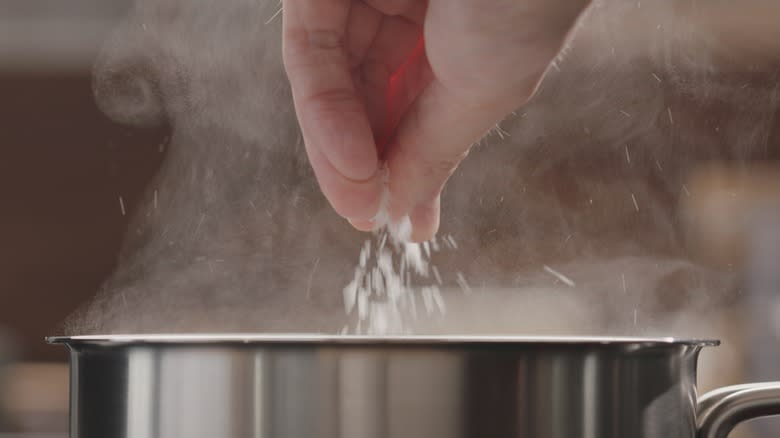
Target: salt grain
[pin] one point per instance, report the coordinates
(436, 274)
(350, 294)
(464, 286)
(636, 204)
(427, 297)
(436, 293)
(566, 280)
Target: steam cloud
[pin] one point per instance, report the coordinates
(234, 234)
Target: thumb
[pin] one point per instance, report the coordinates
(434, 136)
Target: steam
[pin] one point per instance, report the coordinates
(584, 182)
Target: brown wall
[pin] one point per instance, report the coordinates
(63, 167)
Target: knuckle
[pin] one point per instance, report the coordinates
(304, 48)
(325, 39)
(340, 100)
(443, 167)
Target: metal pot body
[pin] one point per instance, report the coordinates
(352, 387)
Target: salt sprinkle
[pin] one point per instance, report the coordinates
(463, 283)
(427, 297)
(122, 205)
(311, 277)
(436, 274)
(451, 241)
(439, 300)
(566, 280)
(383, 295)
(636, 204)
(276, 14)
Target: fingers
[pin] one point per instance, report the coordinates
(333, 119)
(467, 97)
(396, 45)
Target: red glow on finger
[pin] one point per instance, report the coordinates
(396, 95)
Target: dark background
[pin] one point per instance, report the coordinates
(63, 167)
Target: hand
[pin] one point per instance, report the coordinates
(413, 84)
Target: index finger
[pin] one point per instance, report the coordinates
(333, 118)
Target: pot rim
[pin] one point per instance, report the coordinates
(326, 339)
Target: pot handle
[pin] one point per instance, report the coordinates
(721, 410)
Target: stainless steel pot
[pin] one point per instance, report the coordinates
(232, 386)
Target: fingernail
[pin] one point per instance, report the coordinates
(363, 224)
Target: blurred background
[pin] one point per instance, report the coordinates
(64, 167)
(70, 178)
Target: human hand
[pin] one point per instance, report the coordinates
(412, 84)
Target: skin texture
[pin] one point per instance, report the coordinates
(408, 86)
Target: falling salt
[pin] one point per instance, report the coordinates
(438, 299)
(382, 296)
(200, 222)
(669, 111)
(276, 14)
(122, 205)
(311, 277)
(685, 190)
(436, 274)
(427, 297)
(566, 280)
(362, 303)
(628, 156)
(379, 317)
(657, 78)
(636, 204)
(414, 257)
(464, 285)
(451, 241)
(350, 294)
(363, 257)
